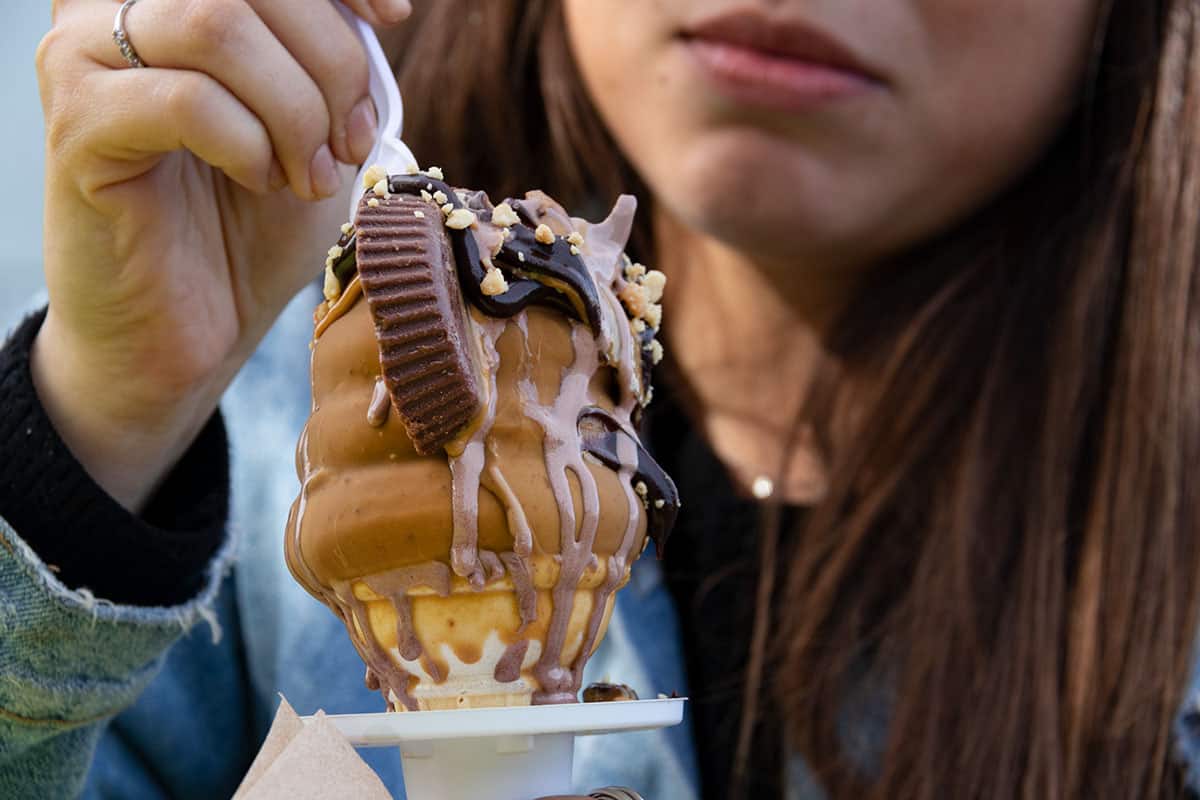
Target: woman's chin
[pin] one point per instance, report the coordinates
(763, 201)
(789, 230)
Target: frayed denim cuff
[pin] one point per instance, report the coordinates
(71, 658)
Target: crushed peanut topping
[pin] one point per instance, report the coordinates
(381, 188)
(641, 488)
(543, 234)
(419, 214)
(440, 197)
(411, 169)
(504, 216)
(335, 252)
(435, 173)
(574, 250)
(653, 315)
(639, 325)
(493, 283)
(333, 287)
(655, 349)
(654, 282)
(346, 228)
(374, 174)
(634, 298)
(660, 503)
(520, 256)
(635, 271)
(373, 203)
(447, 208)
(460, 219)
(576, 238)
(426, 196)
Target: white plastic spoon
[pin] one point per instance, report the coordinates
(389, 152)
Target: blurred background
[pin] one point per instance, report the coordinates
(21, 157)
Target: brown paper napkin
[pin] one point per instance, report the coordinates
(308, 762)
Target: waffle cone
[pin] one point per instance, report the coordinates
(466, 634)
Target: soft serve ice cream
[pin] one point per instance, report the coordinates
(473, 487)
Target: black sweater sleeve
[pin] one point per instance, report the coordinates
(83, 534)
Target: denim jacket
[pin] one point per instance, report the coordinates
(107, 701)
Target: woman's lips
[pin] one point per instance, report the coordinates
(765, 79)
(785, 67)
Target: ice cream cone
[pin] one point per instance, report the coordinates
(476, 651)
(473, 489)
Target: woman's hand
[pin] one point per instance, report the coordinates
(170, 245)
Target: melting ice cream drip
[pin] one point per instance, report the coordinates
(514, 511)
(467, 467)
(381, 404)
(564, 456)
(617, 563)
(383, 673)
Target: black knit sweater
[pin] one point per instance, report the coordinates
(78, 530)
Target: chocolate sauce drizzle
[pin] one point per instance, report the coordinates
(601, 432)
(536, 273)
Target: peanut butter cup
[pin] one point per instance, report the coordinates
(409, 280)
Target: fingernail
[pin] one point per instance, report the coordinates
(392, 11)
(360, 129)
(323, 170)
(277, 178)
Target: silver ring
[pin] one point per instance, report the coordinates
(122, 38)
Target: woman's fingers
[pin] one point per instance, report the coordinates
(141, 113)
(321, 40)
(381, 12)
(227, 41)
(118, 115)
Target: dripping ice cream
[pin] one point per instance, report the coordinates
(473, 488)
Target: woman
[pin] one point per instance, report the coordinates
(933, 296)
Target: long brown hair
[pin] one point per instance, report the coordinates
(1010, 545)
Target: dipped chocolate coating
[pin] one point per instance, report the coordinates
(601, 434)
